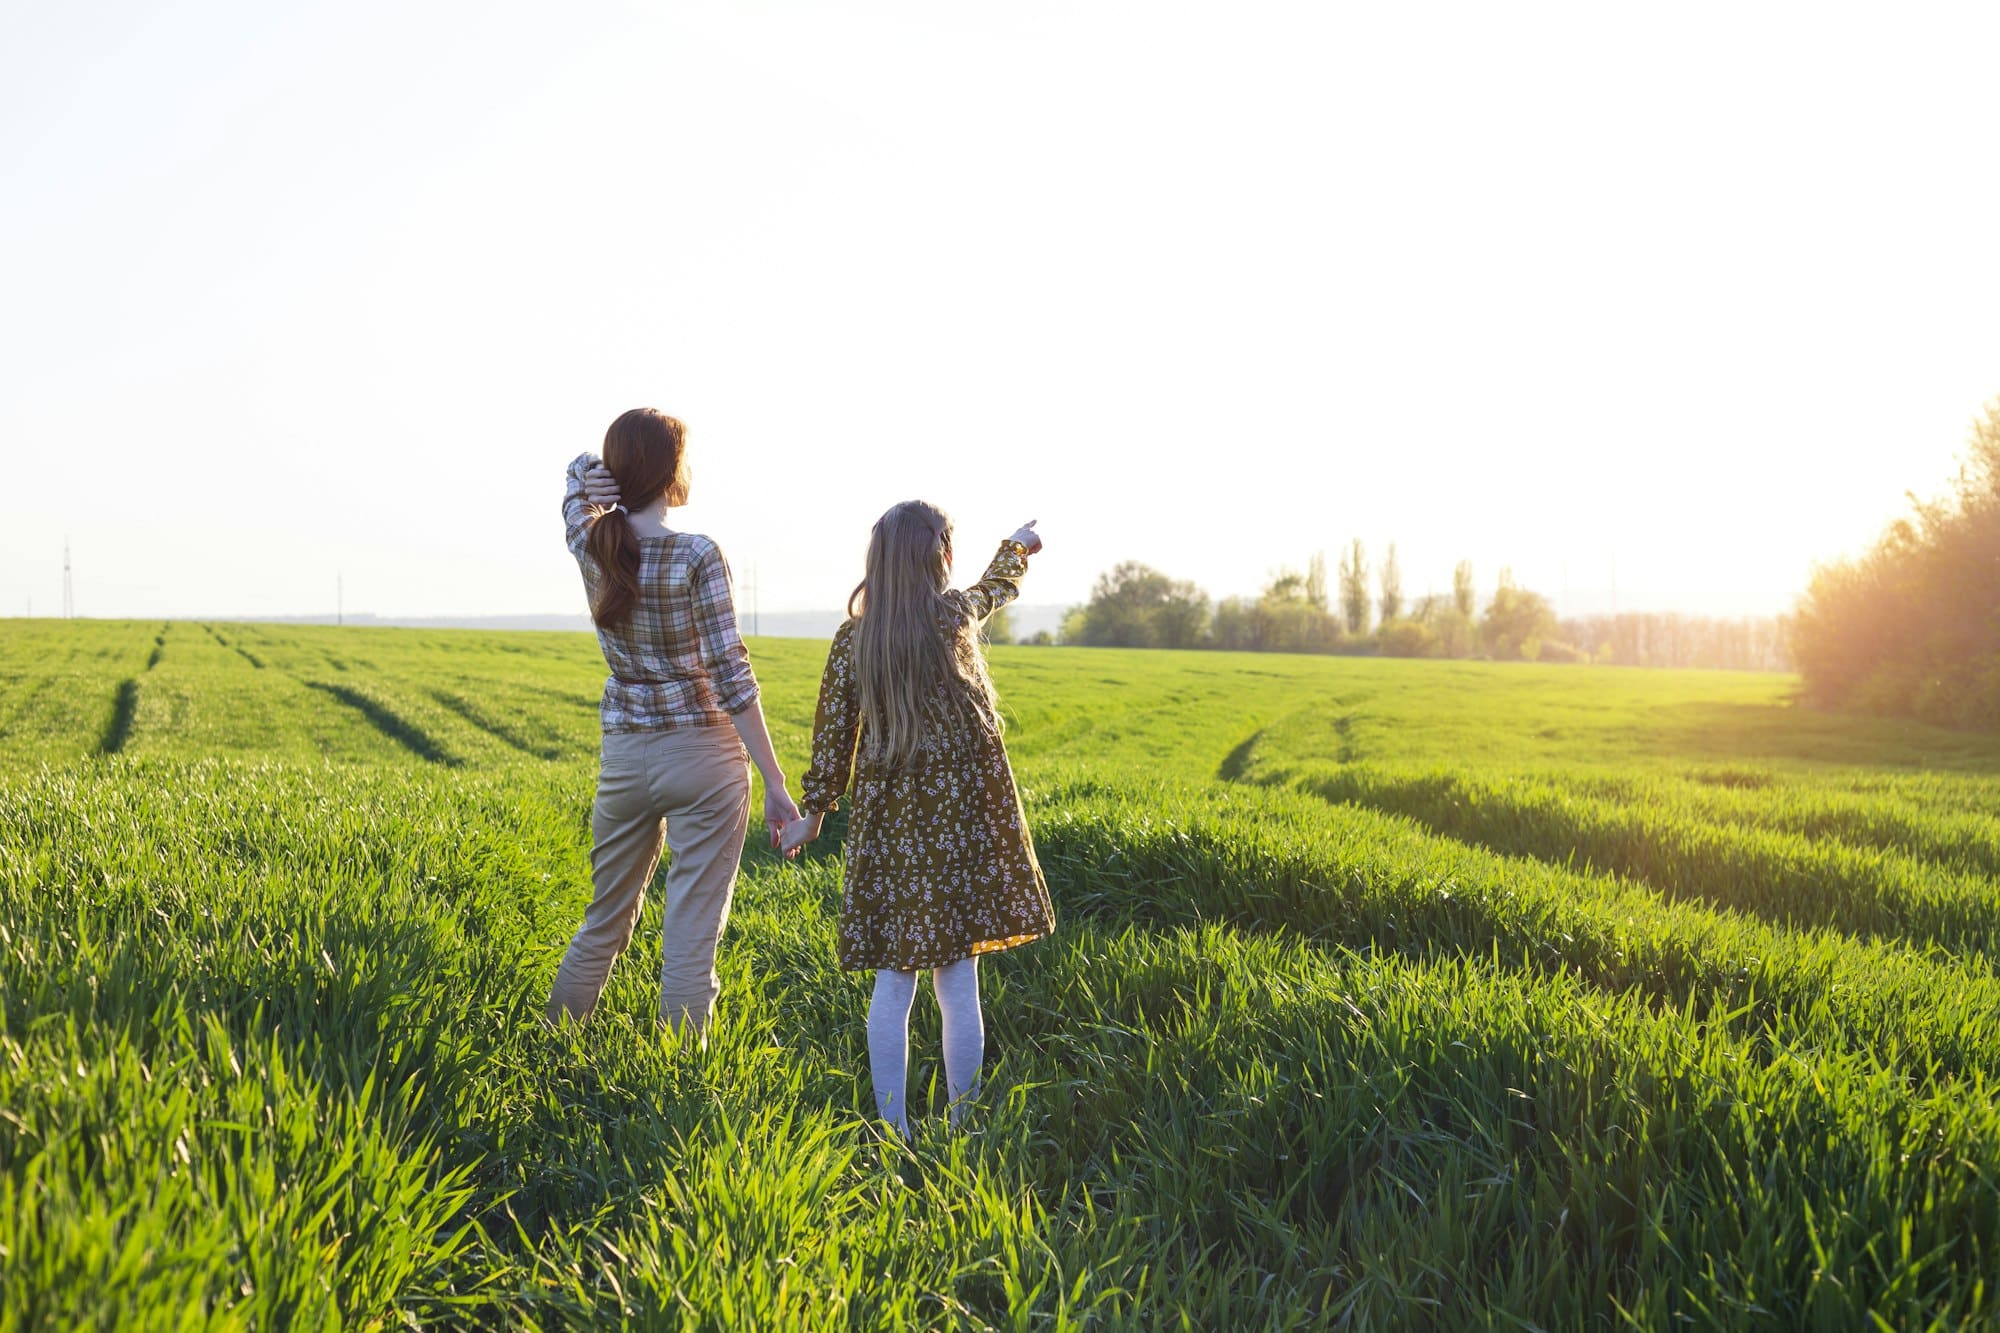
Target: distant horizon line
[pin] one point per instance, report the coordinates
(1029, 616)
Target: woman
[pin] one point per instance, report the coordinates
(680, 711)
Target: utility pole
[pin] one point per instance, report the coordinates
(340, 599)
(69, 586)
(755, 622)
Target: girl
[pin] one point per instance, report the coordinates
(681, 719)
(940, 868)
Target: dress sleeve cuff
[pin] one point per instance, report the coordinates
(1009, 562)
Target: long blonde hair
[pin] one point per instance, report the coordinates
(912, 652)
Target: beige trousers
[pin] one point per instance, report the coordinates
(690, 789)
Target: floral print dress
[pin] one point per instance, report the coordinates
(939, 862)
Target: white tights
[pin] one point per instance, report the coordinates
(957, 988)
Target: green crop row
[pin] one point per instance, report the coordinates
(1955, 825)
(1789, 878)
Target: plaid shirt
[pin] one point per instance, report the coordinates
(677, 660)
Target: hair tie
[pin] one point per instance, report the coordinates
(601, 510)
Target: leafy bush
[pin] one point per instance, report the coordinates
(1136, 606)
(1514, 617)
(1911, 627)
(1406, 638)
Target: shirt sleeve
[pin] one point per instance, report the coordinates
(999, 585)
(723, 655)
(836, 727)
(576, 509)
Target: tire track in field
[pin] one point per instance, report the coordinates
(119, 729)
(125, 702)
(1236, 764)
(568, 698)
(256, 662)
(391, 724)
(384, 719)
(505, 735)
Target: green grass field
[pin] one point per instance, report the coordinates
(1384, 994)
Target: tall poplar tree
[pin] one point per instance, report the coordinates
(1354, 597)
(1392, 586)
(1316, 581)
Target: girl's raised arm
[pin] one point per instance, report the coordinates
(1001, 583)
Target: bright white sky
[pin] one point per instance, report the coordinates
(293, 291)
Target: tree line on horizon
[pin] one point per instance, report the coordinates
(1912, 627)
(1136, 606)
(1909, 628)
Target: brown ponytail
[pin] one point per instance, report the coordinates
(646, 454)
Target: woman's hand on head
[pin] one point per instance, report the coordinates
(600, 487)
(1028, 537)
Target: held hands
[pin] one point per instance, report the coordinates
(798, 833)
(780, 814)
(1028, 537)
